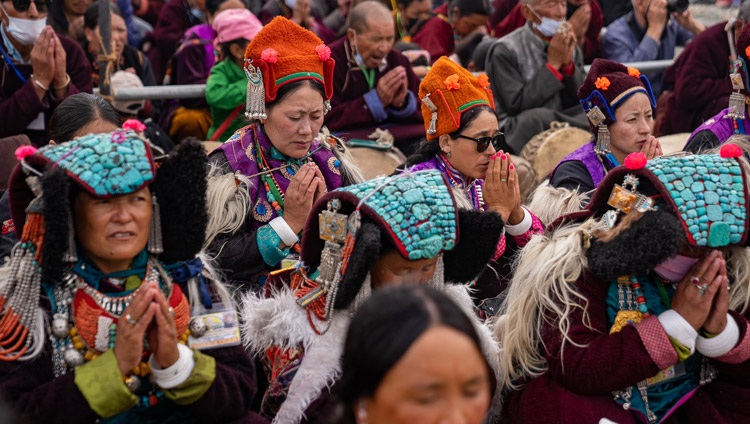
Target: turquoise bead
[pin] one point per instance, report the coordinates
(714, 212)
(719, 234)
(711, 197)
(679, 186)
(697, 187)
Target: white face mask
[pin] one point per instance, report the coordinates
(25, 31)
(548, 27)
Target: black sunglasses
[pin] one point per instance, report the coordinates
(24, 5)
(497, 140)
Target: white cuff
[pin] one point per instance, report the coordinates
(177, 373)
(521, 227)
(285, 232)
(721, 344)
(679, 329)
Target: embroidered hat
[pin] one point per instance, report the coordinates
(607, 85)
(414, 212)
(233, 24)
(281, 53)
(447, 91)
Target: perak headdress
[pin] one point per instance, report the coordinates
(447, 91)
(281, 53)
(104, 166)
(414, 212)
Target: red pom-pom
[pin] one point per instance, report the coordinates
(269, 55)
(730, 151)
(324, 53)
(636, 160)
(135, 125)
(24, 151)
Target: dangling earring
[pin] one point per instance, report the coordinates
(71, 254)
(361, 412)
(602, 140)
(155, 245)
(326, 107)
(447, 153)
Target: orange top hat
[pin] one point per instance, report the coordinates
(447, 91)
(281, 53)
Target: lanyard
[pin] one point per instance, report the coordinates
(10, 62)
(369, 76)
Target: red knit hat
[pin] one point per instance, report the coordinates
(607, 85)
(281, 53)
(447, 91)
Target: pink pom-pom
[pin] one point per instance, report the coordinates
(24, 151)
(269, 55)
(134, 124)
(730, 151)
(636, 160)
(324, 53)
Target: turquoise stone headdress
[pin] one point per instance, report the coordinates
(105, 165)
(709, 194)
(417, 209)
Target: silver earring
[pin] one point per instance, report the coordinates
(155, 245)
(448, 153)
(71, 254)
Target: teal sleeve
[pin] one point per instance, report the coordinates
(268, 245)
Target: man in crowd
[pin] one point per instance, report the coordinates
(451, 29)
(535, 72)
(648, 33)
(375, 86)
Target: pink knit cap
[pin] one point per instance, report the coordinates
(233, 24)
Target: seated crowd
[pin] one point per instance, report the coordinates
(530, 250)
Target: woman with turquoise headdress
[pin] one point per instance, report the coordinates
(103, 304)
(269, 173)
(635, 310)
(400, 230)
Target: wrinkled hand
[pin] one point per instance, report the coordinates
(561, 49)
(399, 97)
(300, 196)
(60, 62)
(686, 20)
(389, 83)
(162, 335)
(43, 57)
(501, 191)
(688, 301)
(652, 148)
(581, 20)
(129, 337)
(717, 318)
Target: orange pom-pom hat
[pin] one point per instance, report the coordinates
(447, 91)
(608, 84)
(284, 52)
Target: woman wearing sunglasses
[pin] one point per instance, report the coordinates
(463, 142)
(39, 69)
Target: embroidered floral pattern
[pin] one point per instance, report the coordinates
(262, 211)
(334, 164)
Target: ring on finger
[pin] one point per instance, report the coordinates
(503, 180)
(702, 289)
(695, 280)
(129, 319)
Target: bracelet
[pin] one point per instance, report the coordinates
(38, 83)
(284, 231)
(176, 374)
(65, 85)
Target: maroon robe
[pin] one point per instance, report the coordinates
(350, 115)
(19, 104)
(701, 82)
(174, 20)
(436, 35)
